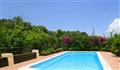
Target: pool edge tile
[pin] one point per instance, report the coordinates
(104, 63)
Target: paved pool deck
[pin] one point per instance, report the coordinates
(111, 59)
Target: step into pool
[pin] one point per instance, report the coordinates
(70, 61)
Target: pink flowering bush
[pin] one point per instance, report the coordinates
(66, 40)
(101, 40)
(97, 42)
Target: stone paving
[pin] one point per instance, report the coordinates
(112, 60)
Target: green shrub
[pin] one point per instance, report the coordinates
(117, 52)
(17, 33)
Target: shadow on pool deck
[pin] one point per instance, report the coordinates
(112, 60)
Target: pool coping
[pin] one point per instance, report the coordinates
(104, 63)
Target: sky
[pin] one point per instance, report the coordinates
(114, 27)
(72, 15)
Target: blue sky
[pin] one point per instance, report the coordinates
(82, 15)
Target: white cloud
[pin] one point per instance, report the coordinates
(114, 26)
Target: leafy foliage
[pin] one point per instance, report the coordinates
(18, 36)
(113, 44)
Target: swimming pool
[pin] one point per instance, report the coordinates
(71, 61)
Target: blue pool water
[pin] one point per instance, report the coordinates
(71, 61)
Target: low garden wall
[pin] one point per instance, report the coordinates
(8, 59)
(3, 61)
(24, 57)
